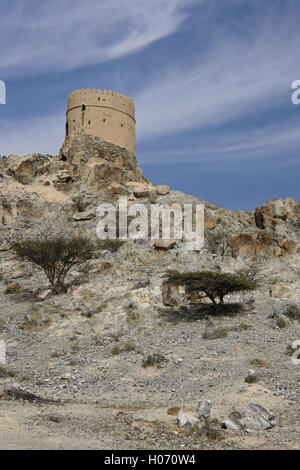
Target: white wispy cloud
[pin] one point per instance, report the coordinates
(234, 79)
(269, 142)
(37, 37)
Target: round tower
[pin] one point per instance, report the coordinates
(103, 114)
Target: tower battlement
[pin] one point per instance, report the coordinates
(104, 114)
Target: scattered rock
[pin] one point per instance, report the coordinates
(254, 417)
(162, 190)
(141, 189)
(86, 215)
(190, 417)
(164, 245)
(12, 288)
(281, 291)
(44, 295)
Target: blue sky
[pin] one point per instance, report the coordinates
(211, 80)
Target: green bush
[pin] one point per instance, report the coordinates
(55, 256)
(153, 359)
(214, 285)
(293, 312)
(110, 245)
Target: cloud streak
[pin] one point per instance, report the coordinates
(234, 78)
(39, 37)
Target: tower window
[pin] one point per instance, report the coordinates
(83, 107)
(67, 129)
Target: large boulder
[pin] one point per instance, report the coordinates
(253, 417)
(163, 189)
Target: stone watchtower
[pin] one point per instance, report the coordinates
(103, 114)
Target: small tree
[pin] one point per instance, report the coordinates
(214, 285)
(55, 256)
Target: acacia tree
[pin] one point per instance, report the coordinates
(55, 256)
(214, 285)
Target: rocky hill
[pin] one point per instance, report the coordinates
(83, 351)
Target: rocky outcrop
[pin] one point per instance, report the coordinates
(98, 163)
(264, 218)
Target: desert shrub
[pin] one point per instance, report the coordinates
(214, 285)
(5, 373)
(251, 379)
(211, 430)
(290, 349)
(129, 346)
(214, 333)
(281, 322)
(115, 350)
(110, 245)
(153, 359)
(293, 312)
(55, 256)
(216, 240)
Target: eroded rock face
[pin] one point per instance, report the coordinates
(110, 162)
(243, 245)
(264, 218)
(281, 209)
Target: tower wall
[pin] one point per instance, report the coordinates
(103, 114)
